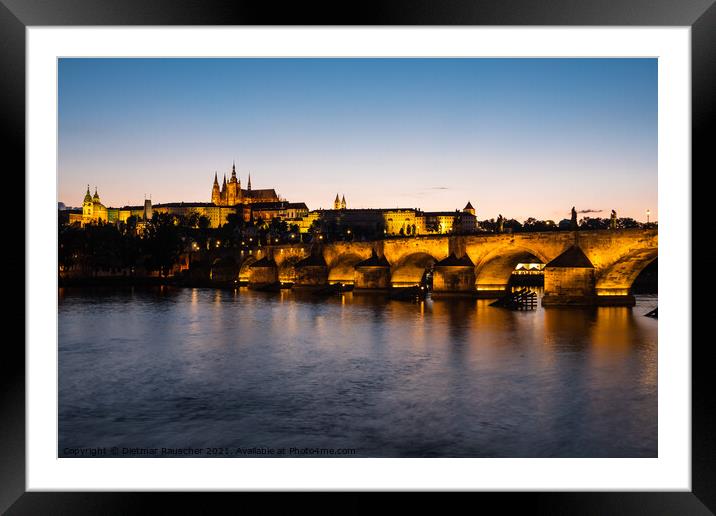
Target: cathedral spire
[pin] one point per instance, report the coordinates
(233, 169)
(216, 178)
(249, 184)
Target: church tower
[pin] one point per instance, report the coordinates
(223, 192)
(232, 195)
(248, 186)
(87, 207)
(468, 208)
(343, 203)
(337, 203)
(215, 193)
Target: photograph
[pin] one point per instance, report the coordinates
(357, 257)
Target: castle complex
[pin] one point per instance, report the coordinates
(231, 193)
(265, 204)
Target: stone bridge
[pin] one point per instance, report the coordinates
(582, 267)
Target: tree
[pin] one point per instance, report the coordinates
(532, 224)
(627, 223)
(192, 219)
(514, 225)
(163, 243)
(203, 223)
(130, 225)
(594, 223)
(433, 226)
(488, 225)
(564, 224)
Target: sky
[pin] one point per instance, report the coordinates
(517, 137)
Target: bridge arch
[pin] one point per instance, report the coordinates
(410, 269)
(494, 271)
(618, 278)
(244, 269)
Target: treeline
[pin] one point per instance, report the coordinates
(586, 223)
(156, 246)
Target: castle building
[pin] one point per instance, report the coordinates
(264, 204)
(231, 193)
(394, 221)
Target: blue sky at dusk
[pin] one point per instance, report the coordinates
(520, 137)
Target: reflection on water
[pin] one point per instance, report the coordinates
(446, 377)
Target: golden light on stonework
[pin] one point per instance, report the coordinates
(612, 291)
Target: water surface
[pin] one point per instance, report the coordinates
(235, 370)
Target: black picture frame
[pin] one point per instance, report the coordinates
(700, 15)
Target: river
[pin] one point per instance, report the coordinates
(229, 373)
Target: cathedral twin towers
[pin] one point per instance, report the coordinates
(231, 193)
(339, 204)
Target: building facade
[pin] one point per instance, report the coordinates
(265, 204)
(94, 212)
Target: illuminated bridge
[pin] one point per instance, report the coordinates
(582, 267)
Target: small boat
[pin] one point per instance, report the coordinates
(408, 293)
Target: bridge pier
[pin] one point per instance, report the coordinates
(263, 272)
(454, 275)
(569, 280)
(311, 272)
(372, 278)
(372, 274)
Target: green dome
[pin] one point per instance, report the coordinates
(88, 197)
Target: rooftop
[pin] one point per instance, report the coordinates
(454, 261)
(572, 257)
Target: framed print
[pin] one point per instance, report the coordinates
(269, 251)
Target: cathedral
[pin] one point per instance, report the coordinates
(231, 193)
(339, 204)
